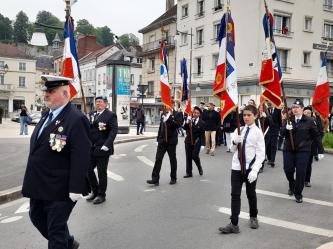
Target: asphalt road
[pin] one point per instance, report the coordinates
(185, 215)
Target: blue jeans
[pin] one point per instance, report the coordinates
(23, 125)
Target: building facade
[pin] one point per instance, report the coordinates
(301, 30)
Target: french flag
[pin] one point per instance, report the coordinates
(271, 73)
(164, 79)
(225, 84)
(70, 65)
(186, 102)
(320, 99)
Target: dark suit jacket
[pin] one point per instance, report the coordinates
(197, 131)
(212, 120)
(167, 131)
(52, 175)
(103, 131)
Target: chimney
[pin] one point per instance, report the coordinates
(169, 4)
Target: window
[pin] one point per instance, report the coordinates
(328, 30)
(200, 8)
(328, 5)
(184, 38)
(99, 92)
(152, 65)
(330, 68)
(200, 36)
(198, 69)
(283, 56)
(139, 60)
(216, 30)
(215, 60)
(99, 79)
(218, 5)
(152, 38)
(22, 66)
(104, 79)
(2, 80)
(308, 23)
(185, 11)
(132, 79)
(150, 90)
(306, 58)
(282, 24)
(140, 79)
(21, 81)
(2, 64)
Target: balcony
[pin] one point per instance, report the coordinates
(200, 14)
(328, 7)
(284, 32)
(7, 87)
(154, 46)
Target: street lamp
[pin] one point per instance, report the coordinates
(4, 69)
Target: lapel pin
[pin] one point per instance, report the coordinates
(57, 122)
(60, 129)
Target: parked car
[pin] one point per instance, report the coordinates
(35, 116)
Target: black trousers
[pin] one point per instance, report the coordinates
(296, 161)
(98, 187)
(237, 180)
(50, 218)
(162, 148)
(309, 169)
(192, 153)
(138, 124)
(271, 141)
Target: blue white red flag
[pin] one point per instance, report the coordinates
(164, 79)
(321, 95)
(186, 101)
(225, 84)
(70, 66)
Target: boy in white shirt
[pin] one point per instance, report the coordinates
(252, 144)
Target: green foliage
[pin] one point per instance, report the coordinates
(104, 36)
(328, 140)
(48, 18)
(21, 26)
(128, 40)
(6, 30)
(85, 28)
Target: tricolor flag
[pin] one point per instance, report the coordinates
(271, 74)
(225, 84)
(320, 100)
(186, 101)
(70, 64)
(164, 79)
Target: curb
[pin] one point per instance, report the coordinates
(328, 151)
(15, 193)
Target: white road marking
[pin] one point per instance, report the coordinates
(284, 224)
(284, 196)
(145, 160)
(24, 208)
(150, 190)
(115, 177)
(140, 148)
(11, 219)
(117, 156)
(204, 180)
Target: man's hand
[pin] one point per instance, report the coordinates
(104, 148)
(166, 116)
(263, 114)
(237, 140)
(320, 156)
(289, 127)
(74, 197)
(188, 120)
(252, 176)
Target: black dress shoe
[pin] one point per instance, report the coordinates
(75, 245)
(290, 192)
(99, 199)
(173, 181)
(272, 164)
(299, 199)
(156, 183)
(91, 197)
(201, 172)
(188, 176)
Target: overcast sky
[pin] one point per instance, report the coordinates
(122, 16)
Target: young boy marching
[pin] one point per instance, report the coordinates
(252, 143)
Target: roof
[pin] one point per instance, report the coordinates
(168, 17)
(12, 51)
(44, 62)
(95, 54)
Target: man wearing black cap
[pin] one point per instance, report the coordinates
(194, 127)
(298, 147)
(55, 176)
(103, 131)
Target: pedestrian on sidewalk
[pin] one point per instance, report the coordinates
(194, 128)
(140, 120)
(252, 143)
(103, 132)
(56, 173)
(295, 159)
(23, 121)
(167, 139)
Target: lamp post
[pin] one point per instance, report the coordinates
(4, 69)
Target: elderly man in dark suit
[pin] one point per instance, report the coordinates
(55, 176)
(103, 131)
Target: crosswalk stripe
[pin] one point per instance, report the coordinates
(284, 224)
(115, 177)
(140, 148)
(145, 160)
(284, 196)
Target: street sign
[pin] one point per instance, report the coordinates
(322, 47)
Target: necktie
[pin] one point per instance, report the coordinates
(96, 115)
(243, 151)
(297, 120)
(49, 119)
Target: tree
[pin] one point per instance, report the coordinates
(6, 30)
(104, 36)
(85, 28)
(48, 18)
(128, 40)
(21, 26)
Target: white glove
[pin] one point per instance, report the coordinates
(202, 148)
(238, 139)
(320, 156)
(166, 117)
(289, 127)
(252, 176)
(156, 143)
(263, 115)
(74, 197)
(104, 148)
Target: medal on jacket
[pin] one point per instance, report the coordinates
(101, 126)
(57, 141)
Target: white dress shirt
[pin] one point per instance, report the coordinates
(254, 147)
